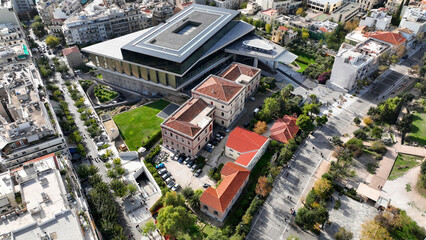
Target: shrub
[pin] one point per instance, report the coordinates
(157, 205)
(379, 147)
(357, 121)
(337, 204)
(153, 153)
(360, 134)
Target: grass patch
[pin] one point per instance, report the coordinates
(403, 163)
(136, 125)
(99, 76)
(240, 207)
(302, 66)
(208, 229)
(418, 128)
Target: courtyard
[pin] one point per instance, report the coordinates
(138, 125)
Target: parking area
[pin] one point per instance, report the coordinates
(183, 175)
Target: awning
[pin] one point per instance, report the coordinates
(286, 57)
(368, 192)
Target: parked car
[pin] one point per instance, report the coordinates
(187, 160)
(198, 172)
(176, 187)
(208, 149)
(214, 142)
(210, 145)
(206, 185)
(194, 167)
(160, 165)
(162, 171)
(166, 175)
(180, 160)
(252, 99)
(176, 156)
(222, 134)
(168, 180)
(218, 139)
(219, 136)
(170, 185)
(190, 163)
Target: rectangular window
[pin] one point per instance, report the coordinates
(216, 213)
(223, 114)
(205, 207)
(171, 134)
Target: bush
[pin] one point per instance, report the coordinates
(367, 121)
(157, 205)
(379, 147)
(360, 134)
(357, 121)
(152, 140)
(337, 204)
(149, 158)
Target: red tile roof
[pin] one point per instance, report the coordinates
(323, 29)
(218, 88)
(181, 120)
(283, 28)
(269, 12)
(389, 37)
(245, 159)
(243, 140)
(235, 70)
(73, 49)
(234, 177)
(284, 129)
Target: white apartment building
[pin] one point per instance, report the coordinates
(353, 63)
(414, 19)
(23, 6)
(283, 7)
(367, 5)
(46, 212)
(326, 6)
(226, 96)
(189, 128)
(268, 16)
(98, 23)
(377, 18)
(26, 130)
(228, 4)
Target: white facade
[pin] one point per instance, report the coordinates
(354, 63)
(325, 6)
(228, 4)
(268, 16)
(283, 7)
(377, 19)
(103, 24)
(414, 19)
(367, 4)
(23, 6)
(232, 153)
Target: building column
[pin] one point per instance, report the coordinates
(255, 61)
(275, 65)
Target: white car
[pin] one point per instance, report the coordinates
(170, 185)
(175, 187)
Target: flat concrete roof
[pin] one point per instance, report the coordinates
(183, 33)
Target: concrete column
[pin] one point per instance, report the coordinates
(275, 65)
(255, 62)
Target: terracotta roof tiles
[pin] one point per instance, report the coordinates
(284, 129)
(389, 37)
(73, 49)
(218, 88)
(242, 140)
(237, 69)
(234, 177)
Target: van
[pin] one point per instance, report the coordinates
(256, 111)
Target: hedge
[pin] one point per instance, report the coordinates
(157, 205)
(153, 153)
(152, 140)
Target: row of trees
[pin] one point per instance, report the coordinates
(388, 111)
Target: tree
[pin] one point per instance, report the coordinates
(343, 234)
(335, 140)
(400, 51)
(300, 11)
(38, 29)
(305, 218)
(149, 228)
(286, 91)
(257, 23)
(271, 107)
(216, 234)
(394, 59)
(323, 188)
(52, 41)
(260, 127)
(173, 199)
(351, 25)
(194, 202)
(378, 146)
(396, 17)
(263, 187)
(321, 120)
(80, 149)
(119, 188)
(174, 221)
(268, 28)
(305, 123)
(376, 132)
(311, 108)
(367, 121)
(372, 230)
(305, 33)
(360, 134)
(243, 6)
(357, 121)
(131, 189)
(187, 193)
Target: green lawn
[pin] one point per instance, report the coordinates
(418, 128)
(302, 62)
(136, 125)
(403, 163)
(208, 229)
